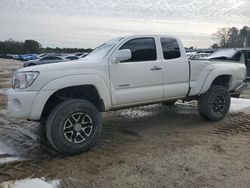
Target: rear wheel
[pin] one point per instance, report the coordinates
(74, 126)
(215, 103)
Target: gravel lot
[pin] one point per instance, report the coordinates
(148, 146)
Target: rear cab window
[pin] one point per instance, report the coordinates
(170, 48)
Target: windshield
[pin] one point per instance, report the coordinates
(102, 50)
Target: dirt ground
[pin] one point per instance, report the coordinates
(148, 146)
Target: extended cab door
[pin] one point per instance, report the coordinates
(175, 68)
(138, 79)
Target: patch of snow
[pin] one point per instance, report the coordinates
(8, 159)
(7, 154)
(4, 149)
(31, 183)
(3, 91)
(239, 104)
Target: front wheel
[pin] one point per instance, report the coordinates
(215, 103)
(74, 126)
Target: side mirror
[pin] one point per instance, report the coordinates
(123, 55)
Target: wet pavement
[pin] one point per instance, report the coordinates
(148, 146)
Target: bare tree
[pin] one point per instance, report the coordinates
(222, 36)
(215, 46)
(244, 36)
(233, 38)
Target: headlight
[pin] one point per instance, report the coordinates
(23, 80)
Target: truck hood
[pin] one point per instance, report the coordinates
(49, 72)
(51, 67)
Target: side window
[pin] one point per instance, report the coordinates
(170, 48)
(142, 49)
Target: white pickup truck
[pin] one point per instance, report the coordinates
(67, 98)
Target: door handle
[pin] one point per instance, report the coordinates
(155, 68)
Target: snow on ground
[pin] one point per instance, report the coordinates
(3, 91)
(31, 183)
(240, 105)
(7, 154)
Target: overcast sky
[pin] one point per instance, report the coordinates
(87, 23)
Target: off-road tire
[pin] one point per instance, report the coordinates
(62, 115)
(215, 103)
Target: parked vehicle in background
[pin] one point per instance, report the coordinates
(28, 57)
(190, 54)
(44, 54)
(72, 58)
(79, 54)
(50, 59)
(45, 60)
(202, 55)
(84, 55)
(6, 56)
(237, 55)
(67, 98)
(196, 55)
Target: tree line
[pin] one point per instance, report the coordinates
(227, 37)
(31, 46)
(232, 37)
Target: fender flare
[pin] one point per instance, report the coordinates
(80, 80)
(54, 85)
(212, 76)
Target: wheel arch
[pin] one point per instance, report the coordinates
(217, 78)
(99, 93)
(85, 92)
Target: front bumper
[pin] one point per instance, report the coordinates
(27, 104)
(20, 103)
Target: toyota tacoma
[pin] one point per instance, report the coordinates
(68, 98)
